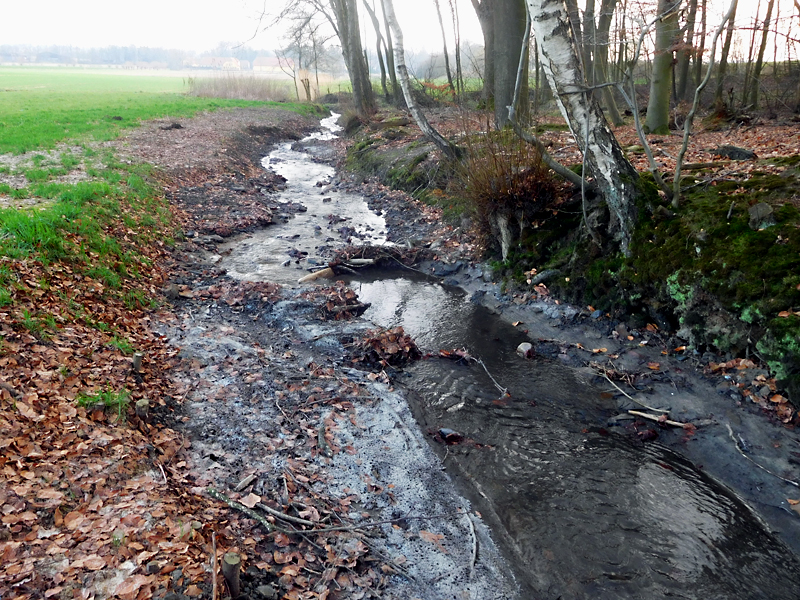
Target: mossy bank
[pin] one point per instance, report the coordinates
(722, 272)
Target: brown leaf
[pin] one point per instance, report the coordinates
(433, 538)
(653, 366)
(250, 500)
(129, 587)
(73, 520)
(193, 590)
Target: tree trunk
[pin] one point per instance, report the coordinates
(379, 46)
(457, 34)
(602, 38)
(615, 178)
(397, 93)
(723, 61)
(756, 79)
(444, 46)
(509, 34)
(657, 120)
(346, 12)
(698, 56)
(685, 53)
(589, 44)
(485, 12)
(442, 144)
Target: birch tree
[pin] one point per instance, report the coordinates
(614, 177)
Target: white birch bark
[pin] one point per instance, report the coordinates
(615, 178)
(400, 64)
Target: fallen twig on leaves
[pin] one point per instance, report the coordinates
(242, 508)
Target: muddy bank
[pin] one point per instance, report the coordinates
(275, 410)
(268, 395)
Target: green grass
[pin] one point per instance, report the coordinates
(108, 399)
(41, 107)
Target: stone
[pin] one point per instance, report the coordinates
(762, 216)
(525, 350)
(735, 153)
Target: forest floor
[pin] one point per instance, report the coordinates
(251, 392)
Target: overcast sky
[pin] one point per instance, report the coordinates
(184, 24)
(202, 24)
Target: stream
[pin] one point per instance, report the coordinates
(580, 512)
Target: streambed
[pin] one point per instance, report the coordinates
(581, 512)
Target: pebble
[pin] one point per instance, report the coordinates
(525, 350)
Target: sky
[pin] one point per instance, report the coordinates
(201, 25)
(185, 24)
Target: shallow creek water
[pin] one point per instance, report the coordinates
(580, 513)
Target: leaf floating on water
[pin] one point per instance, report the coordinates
(600, 350)
(654, 366)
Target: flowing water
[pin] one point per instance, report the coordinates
(580, 512)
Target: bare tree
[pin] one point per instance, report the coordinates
(755, 82)
(448, 149)
(657, 120)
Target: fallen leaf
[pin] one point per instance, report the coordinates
(515, 323)
(130, 586)
(778, 399)
(784, 313)
(599, 350)
(433, 538)
(654, 366)
(250, 500)
(73, 520)
(193, 590)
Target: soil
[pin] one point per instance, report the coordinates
(274, 412)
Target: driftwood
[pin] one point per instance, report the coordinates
(327, 273)
(662, 419)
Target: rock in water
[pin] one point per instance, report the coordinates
(525, 350)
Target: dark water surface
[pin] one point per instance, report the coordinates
(587, 514)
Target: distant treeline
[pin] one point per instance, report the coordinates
(117, 55)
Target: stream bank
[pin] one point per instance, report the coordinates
(266, 393)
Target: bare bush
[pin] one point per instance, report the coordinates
(241, 87)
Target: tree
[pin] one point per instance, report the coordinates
(723, 61)
(346, 12)
(657, 120)
(755, 82)
(484, 9)
(510, 30)
(343, 18)
(614, 178)
(442, 144)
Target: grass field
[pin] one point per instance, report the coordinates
(68, 201)
(41, 107)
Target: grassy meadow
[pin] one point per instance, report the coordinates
(65, 199)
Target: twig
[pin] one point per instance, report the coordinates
(631, 398)
(242, 508)
(213, 565)
(285, 517)
(661, 419)
(735, 443)
(503, 390)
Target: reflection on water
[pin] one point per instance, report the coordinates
(282, 253)
(587, 514)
